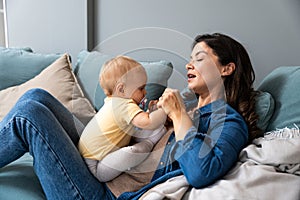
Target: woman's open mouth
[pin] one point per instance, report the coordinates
(190, 76)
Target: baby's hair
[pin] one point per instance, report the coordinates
(113, 71)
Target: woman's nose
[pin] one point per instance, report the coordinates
(189, 66)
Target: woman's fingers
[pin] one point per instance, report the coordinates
(170, 101)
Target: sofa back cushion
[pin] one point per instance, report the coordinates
(88, 67)
(282, 83)
(18, 65)
(59, 80)
(265, 106)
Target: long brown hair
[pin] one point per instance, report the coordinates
(239, 85)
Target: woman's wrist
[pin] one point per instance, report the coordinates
(182, 123)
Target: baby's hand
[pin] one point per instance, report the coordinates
(152, 106)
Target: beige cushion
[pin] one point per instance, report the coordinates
(59, 80)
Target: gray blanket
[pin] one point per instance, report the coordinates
(268, 169)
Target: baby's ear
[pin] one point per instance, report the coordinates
(120, 88)
(228, 69)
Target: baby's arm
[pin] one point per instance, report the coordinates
(151, 120)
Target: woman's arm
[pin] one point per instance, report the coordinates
(206, 157)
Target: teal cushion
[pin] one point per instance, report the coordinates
(283, 84)
(18, 65)
(88, 67)
(158, 73)
(28, 49)
(18, 181)
(87, 71)
(265, 107)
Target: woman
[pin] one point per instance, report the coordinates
(203, 148)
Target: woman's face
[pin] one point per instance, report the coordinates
(203, 71)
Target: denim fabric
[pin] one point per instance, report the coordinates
(167, 169)
(38, 123)
(41, 125)
(208, 151)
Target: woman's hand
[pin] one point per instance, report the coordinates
(171, 102)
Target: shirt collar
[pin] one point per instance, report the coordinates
(211, 106)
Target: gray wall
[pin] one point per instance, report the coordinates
(159, 29)
(48, 26)
(269, 29)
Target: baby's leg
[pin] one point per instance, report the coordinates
(151, 135)
(125, 158)
(119, 161)
(102, 172)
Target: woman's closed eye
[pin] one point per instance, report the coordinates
(197, 59)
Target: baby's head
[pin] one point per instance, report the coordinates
(121, 76)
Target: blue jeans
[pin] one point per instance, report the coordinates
(40, 124)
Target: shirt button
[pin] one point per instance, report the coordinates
(168, 143)
(161, 163)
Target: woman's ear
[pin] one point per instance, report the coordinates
(228, 69)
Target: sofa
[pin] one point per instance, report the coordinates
(267, 168)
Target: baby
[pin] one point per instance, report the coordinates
(104, 141)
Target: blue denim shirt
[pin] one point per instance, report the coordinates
(208, 151)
